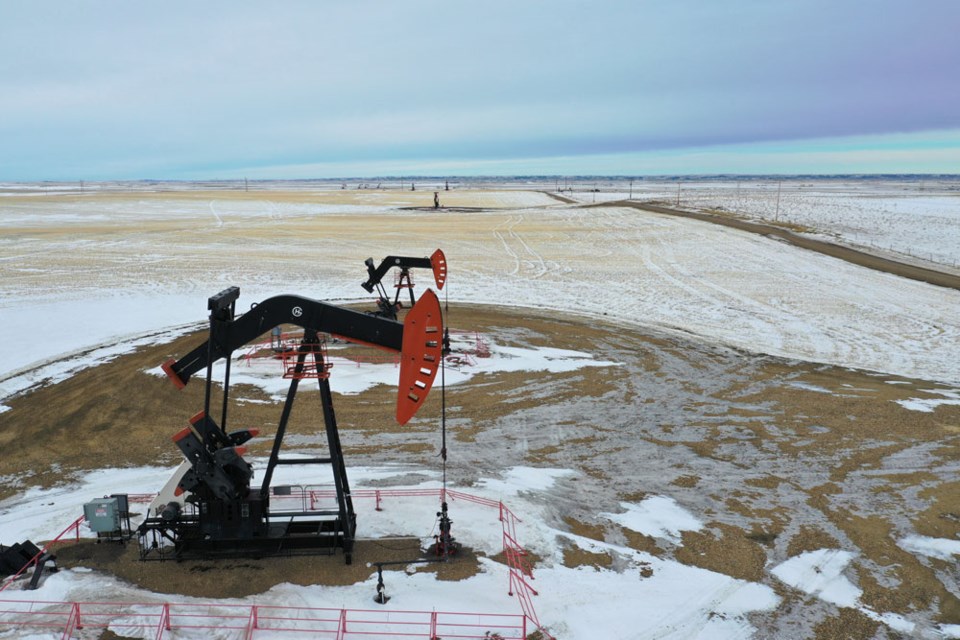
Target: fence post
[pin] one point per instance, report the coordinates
(433, 626)
(378, 500)
(71, 623)
(164, 624)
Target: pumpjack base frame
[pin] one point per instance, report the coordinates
(300, 535)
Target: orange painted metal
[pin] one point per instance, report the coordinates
(420, 355)
(439, 262)
(168, 369)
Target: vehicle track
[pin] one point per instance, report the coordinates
(505, 233)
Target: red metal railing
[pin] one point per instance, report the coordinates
(170, 616)
(251, 621)
(520, 572)
(481, 348)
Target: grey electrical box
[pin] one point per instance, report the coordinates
(103, 515)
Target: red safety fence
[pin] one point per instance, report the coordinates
(309, 622)
(481, 348)
(165, 620)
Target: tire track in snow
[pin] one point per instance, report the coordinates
(506, 246)
(775, 322)
(682, 621)
(770, 315)
(657, 254)
(507, 236)
(216, 215)
(536, 256)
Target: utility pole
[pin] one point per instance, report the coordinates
(678, 193)
(631, 190)
(776, 215)
(246, 186)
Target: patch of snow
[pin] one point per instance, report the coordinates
(809, 387)
(928, 405)
(676, 602)
(656, 516)
(517, 480)
(940, 548)
(893, 620)
(820, 573)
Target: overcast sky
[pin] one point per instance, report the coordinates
(120, 89)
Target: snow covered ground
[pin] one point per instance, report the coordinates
(356, 376)
(904, 219)
(84, 272)
(664, 598)
(671, 599)
(83, 279)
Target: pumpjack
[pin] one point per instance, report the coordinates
(222, 513)
(387, 309)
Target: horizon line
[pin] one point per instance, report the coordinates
(544, 176)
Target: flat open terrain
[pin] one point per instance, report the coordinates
(770, 391)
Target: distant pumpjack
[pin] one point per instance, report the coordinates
(387, 309)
